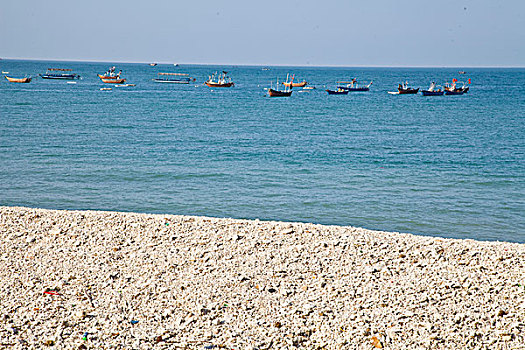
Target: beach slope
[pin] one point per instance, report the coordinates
(93, 280)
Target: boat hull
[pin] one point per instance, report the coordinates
(60, 76)
(185, 81)
(301, 84)
(408, 91)
(277, 93)
(107, 76)
(432, 93)
(225, 85)
(18, 80)
(361, 89)
(113, 81)
(454, 92)
(337, 92)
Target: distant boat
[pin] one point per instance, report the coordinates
(432, 91)
(219, 80)
(110, 74)
(265, 68)
(173, 78)
(153, 64)
(462, 72)
(54, 73)
(301, 84)
(106, 89)
(176, 64)
(5, 72)
(287, 92)
(309, 88)
(18, 80)
(404, 89)
(339, 91)
(452, 89)
(354, 86)
(110, 77)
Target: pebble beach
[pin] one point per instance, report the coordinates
(111, 280)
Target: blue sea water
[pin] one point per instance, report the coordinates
(449, 166)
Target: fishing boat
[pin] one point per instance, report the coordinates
(354, 86)
(287, 92)
(110, 74)
(432, 91)
(404, 89)
(18, 80)
(173, 78)
(339, 91)
(452, 89)
(59, 73)
(219, 80)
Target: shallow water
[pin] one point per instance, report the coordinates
(450, 166)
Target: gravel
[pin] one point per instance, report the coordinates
(109, 280)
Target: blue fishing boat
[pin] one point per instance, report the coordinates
(353, 86)
(432, 91)
(59, 73)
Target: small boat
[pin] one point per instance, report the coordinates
(152, 64)
(173, 78)
(309, 88)
(287, 92)
(18, 80)
(452, 89)
(5, 72)
(219, 80)
(301, 84)
(404, 89)
(353, 86)
(125, 85)
(110, 74)
(432, 91)
(265, 68)
(462, 72)
(339, 91)
(176, 64)
(106, 89)
(55, 73)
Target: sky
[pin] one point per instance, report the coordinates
(401, 33)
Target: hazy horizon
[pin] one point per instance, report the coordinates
(380, 33)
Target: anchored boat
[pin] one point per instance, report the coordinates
(287, 92)
(404, 89)
(173, 78)
(59, 73)
(219, 80)
(353, 86)
(432, 91)
(18, 80)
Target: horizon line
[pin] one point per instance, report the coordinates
(249, 64)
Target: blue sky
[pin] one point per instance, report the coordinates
(461, 33)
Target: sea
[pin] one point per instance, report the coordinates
(447, 166)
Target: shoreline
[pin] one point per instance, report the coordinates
(195, 282)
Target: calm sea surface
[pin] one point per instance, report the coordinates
(450, 166)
